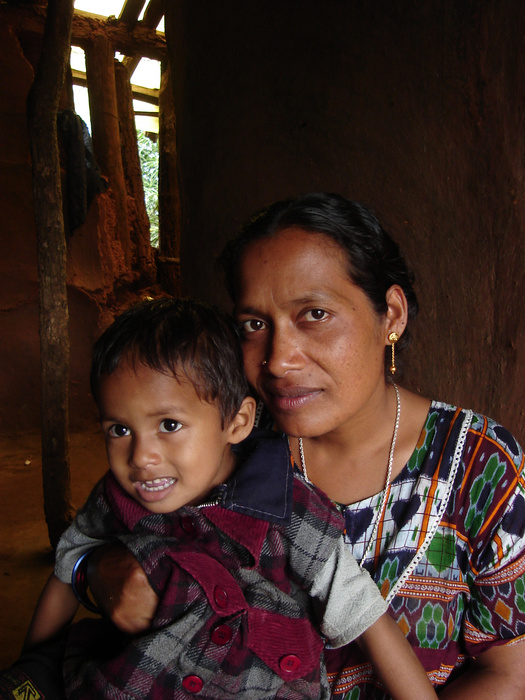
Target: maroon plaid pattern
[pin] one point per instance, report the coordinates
(233, 618)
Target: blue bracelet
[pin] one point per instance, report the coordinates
(80, 584)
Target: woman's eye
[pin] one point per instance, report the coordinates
(118, 431)
(315, 315)
(252, 325)
(170, 426)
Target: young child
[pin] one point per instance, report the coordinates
(247, 560)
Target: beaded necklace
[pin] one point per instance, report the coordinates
(382, 502)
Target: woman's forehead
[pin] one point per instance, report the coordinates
(294, 246)
(292, 267)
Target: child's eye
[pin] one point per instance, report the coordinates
(170, 426)
(252, 325)
(118, 431)
(315, 315)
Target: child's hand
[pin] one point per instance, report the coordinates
(121, 588)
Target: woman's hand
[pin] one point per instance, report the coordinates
(121, 588)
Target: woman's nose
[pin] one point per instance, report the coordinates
(144, 452)
(283, 353)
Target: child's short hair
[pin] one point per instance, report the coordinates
(174, 336)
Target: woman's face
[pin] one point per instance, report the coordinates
(313, 344)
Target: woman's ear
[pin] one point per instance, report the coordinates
(242, 424)
(397, 312)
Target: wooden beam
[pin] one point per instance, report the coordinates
(131, 10)
(154, 13)
(131, 62)
(140, 39)
(168, 261)
(100, 66)
(139, 223)
(42, 107)
(149, 95)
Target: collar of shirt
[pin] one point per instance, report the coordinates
(262, 486)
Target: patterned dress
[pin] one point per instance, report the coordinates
(450, 555)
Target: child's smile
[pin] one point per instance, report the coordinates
(155, 489)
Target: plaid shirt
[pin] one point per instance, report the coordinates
(232, 576)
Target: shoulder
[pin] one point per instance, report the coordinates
(308, 498)
(493, 434)
(314, 516)
(493, 470)
(489, 489)
(470, 454)
(96, 501)
(484, 437)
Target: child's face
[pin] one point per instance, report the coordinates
(165, 446)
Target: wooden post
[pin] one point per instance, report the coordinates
(42, 108)
(139, 222)
(168, 260)
(131, 10)
(100, 71)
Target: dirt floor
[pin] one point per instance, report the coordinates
(25, 554)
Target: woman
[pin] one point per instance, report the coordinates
(433, 496)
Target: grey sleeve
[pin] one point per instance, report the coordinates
(71, 546)
(87, 531)
(348, 599)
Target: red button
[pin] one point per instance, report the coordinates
(221, 635)
(289, 663)
(220, 596)
(188, 525)
(193, 684)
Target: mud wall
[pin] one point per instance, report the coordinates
(99, 282)
(415, 108)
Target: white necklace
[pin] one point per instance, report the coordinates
(382, 502)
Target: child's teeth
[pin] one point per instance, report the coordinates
(156, 484)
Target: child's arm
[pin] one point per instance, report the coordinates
(395, 662)
(54, 611)
(353, 609)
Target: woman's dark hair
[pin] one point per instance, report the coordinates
(375, 262)
(177, 336)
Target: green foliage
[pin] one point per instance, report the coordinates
(149, 163)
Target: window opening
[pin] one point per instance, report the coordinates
(149, 163)
(145, 82)
(104, 8)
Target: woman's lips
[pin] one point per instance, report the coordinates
(291, 398)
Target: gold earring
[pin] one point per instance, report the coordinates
(393, 338)
(264, 363)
